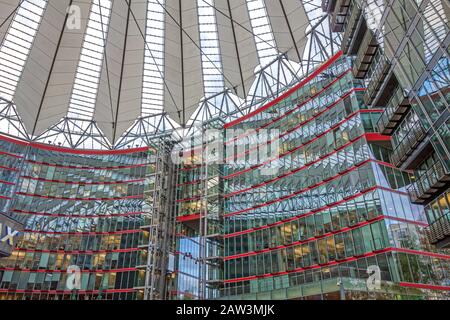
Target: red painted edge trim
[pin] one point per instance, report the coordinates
(321, 135)
(78, 251)
(314, 74)
(375, 136)
(176, 293)
(9, 168)
(191, 167)
(67, 291)
(78, 216)
(331, 233)
(189, 199)
(189, 217)
(301, 191)
(419, 223)
(294, 170)
(424, 286)
(86, 233)
(430, 254)
(189, 183)
(13, 140)
(301, 242)
(139, 196)
(64, 271)
(331, 263)
(84, 183)
(306, 214)
(88, 168)
(7, 182)
(307, 121)
(298, 107)
(43, 146)
(11, 155)
(86, 151)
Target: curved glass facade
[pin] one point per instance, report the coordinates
(333, 208)
(305, 211)
(401, 53)
(274, 166)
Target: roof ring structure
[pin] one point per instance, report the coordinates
(107, 74)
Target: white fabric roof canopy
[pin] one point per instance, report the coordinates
(45, 65)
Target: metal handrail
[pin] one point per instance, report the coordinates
(391, 108)
(431, 176)
(353, 14)
(439, 229)
(412, 138)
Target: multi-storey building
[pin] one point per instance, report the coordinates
(312, 217)
(99, 214)
(401, 50)
(320, 170)
(334, 207)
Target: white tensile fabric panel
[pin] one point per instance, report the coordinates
(183, 65)
(6, 8)
(43, 94)
(172, 61)
(289, 21)
(193, 76)
(238, 49)
(119, 99)
(446, 5)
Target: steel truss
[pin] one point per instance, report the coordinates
(271, 80)
(159, 200)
